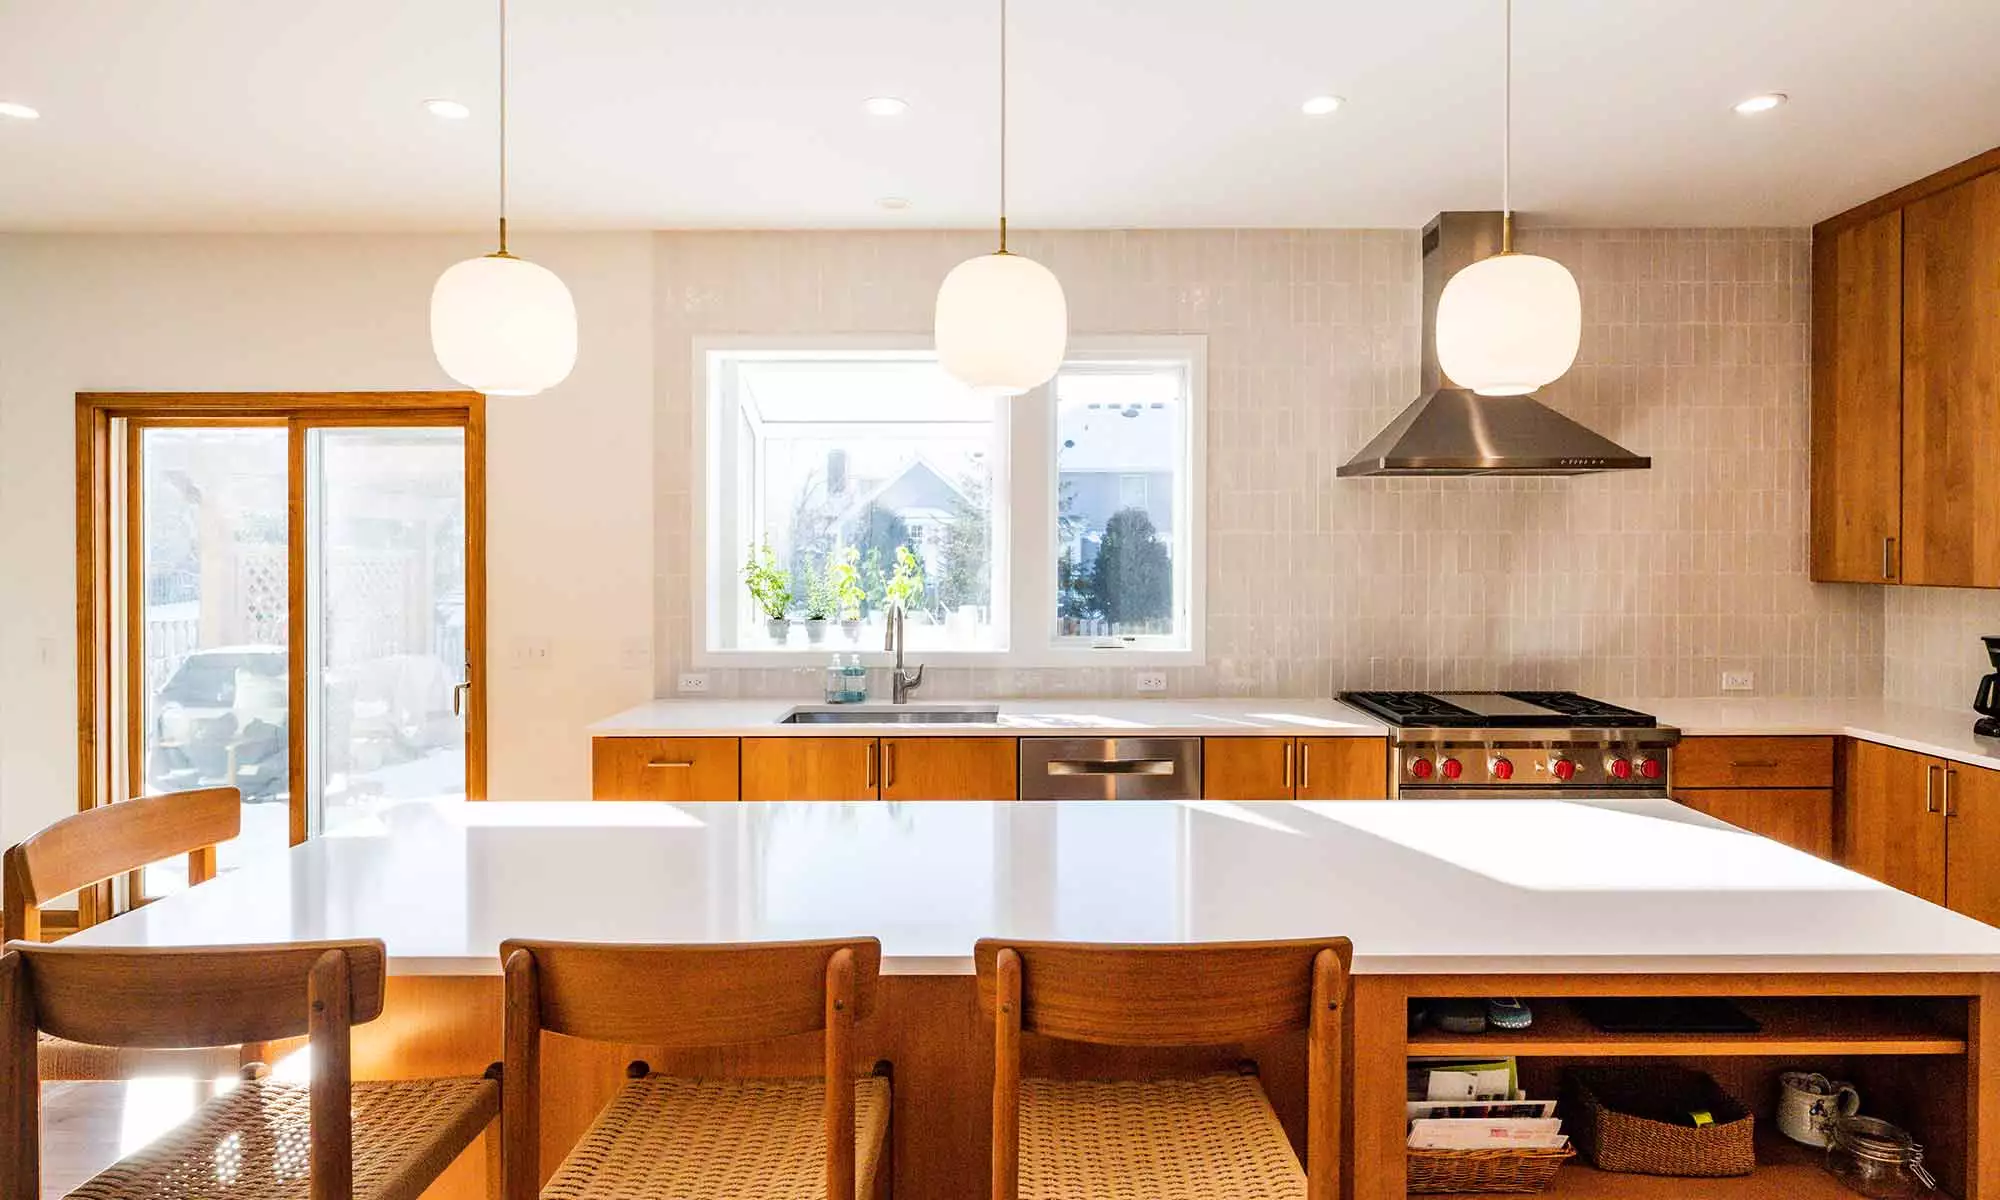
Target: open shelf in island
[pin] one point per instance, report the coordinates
(1790, 1025)
(1785, 1171)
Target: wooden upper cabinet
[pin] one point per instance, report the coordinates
(1247, 768)
(1343, 768)
(1951, 386)
(1857, 402)
(950, 768)
(1893, 824)
(811, 768)
(672, 769)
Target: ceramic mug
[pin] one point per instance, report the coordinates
(1808, 1103)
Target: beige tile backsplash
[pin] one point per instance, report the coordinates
(1934, 655)
(1645, 583)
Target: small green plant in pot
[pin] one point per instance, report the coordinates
(770, 588)
(819, 606)
(906, 584)
(843, 579)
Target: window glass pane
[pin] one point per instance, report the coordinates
(213, 707)
(1121, 455)
(868, 480)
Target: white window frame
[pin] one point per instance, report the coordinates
(1024, 516)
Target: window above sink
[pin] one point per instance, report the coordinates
(1059, 528)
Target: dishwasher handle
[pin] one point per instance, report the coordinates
(1111, 766)
(1120, 768)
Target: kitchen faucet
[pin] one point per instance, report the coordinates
(900, 683)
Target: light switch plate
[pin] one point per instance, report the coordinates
(1150, 681)
(533, 653)
(1739, 681)
(692, 683)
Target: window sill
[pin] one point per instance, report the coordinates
(1053, 657)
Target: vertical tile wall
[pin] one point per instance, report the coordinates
(1634, 584)
(1931, 637)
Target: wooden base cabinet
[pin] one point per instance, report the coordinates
(950, 768)
(1798, 817)
(811, 768)
(891, 768)
(1926, 825)
(1309, 768)
(677, 770)
(1776, 787)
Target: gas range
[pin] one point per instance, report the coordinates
(1525, 745)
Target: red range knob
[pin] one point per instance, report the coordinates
(1563, 769)
(1420, 768)
(1501, 768)
(1451, 768)
(1651, 768)
(1620, 768)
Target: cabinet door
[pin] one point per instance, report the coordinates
(1972, 835)
(950, 768)
(1247, 768)
(810, 768)
(1798, 817)
(1355, 768)
(673, 769)
(1857, 402)
(1951, 387)
(1892, 822)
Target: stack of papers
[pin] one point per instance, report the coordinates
(1461, 1104)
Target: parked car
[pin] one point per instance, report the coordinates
(220, 721)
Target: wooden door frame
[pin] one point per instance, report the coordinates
(95, 412)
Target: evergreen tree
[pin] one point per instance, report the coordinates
(1132, 581)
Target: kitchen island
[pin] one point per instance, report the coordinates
(1541, 899)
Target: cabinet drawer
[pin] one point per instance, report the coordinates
(674, 769)
(1753, 762)
(1798, 817)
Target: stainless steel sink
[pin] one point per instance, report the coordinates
(891, 716)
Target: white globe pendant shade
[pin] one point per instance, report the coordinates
(1002, 324)
(503, 326)
(1509, 324)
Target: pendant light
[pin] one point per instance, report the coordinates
(1002, 323)
(1509, 324)
(500, 324)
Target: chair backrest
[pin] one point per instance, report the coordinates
(681, 997)
(1200, 994)
(105, 842)
(158, 997)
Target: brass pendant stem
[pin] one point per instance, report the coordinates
(1506, 233)
(1003, 235)
(503, 235)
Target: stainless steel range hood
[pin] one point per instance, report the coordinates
(1451, 431)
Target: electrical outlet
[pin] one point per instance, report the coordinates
(1739, 681)
(692, 683)
(1150, 681)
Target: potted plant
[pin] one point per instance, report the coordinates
(819, 606)
(771, 588)
(906, 583)
(843, 578)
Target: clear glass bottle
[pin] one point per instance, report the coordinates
(836, 682)
(1877, 1159)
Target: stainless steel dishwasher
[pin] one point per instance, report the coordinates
(1110, 768)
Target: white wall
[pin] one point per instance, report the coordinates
(569, 473)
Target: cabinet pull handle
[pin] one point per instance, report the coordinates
(1110, 766)
(1754, 764)
(1305, 765)
(1949, 773)
(872, 750)
(1888, 558)
(661, 762)
(1930, 788)
(888, 764)
(1288, 765)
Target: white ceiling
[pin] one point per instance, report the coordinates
(305, 114)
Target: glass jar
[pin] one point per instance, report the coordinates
(1877, 1159)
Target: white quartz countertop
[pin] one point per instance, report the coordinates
(1944, 732)
(1472, 887)
(1075, 717)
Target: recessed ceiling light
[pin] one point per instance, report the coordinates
(20, 112)
(894, 203)
(1320, 106)
(450, 110)
(1761, 104)
(886, 106)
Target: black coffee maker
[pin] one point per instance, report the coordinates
(1987, 703)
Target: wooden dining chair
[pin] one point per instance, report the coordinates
(103, 843)
(329, 1139)
(667, 1136)
(1214, 1137)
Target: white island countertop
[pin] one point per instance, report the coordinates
(1457, 887)
(1072, 717)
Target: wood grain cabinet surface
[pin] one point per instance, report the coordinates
(950, 768)
(1857, 407)
(1926, 825)
(811, 768)
(671, 769)
(1777, 787)
(1798, 817)
(1278, 768)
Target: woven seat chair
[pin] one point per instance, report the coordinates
(748, 1139)
(1208, 1138)
(329, 1139)
(103, 843)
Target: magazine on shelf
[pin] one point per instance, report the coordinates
(1488, 1110)
(1511, 1134)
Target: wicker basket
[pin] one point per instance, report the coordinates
(1622, 1120)
(1433, 1171)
